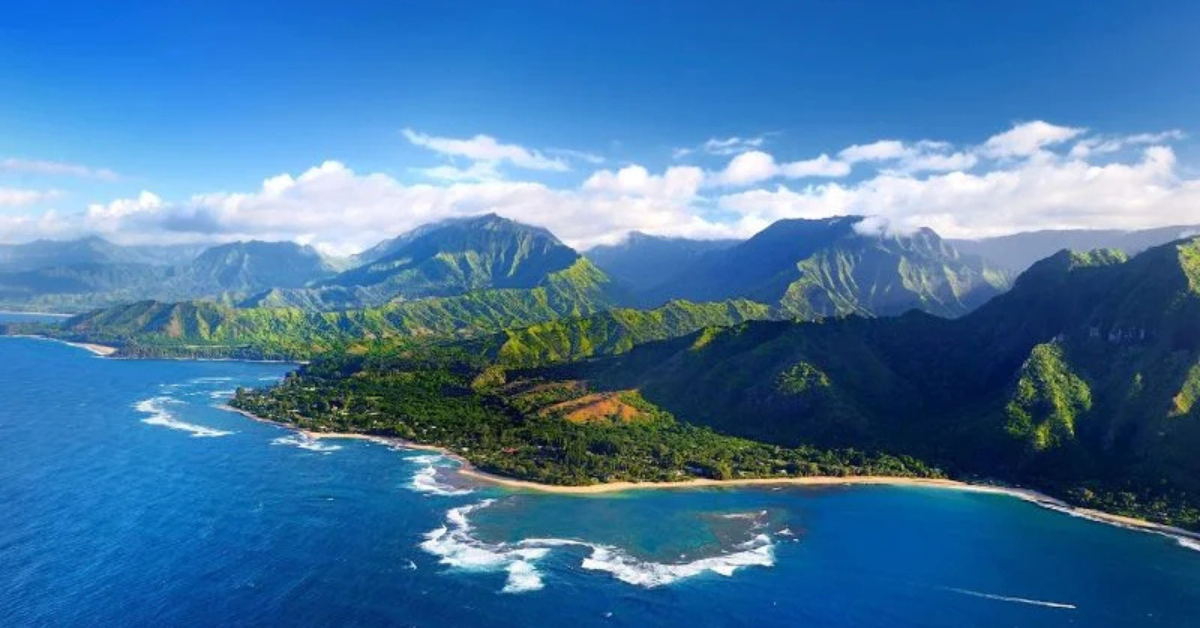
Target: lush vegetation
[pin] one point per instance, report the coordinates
(611, 332)
(210, 329)
(1082, 381)
(811, 269)
(520, 428)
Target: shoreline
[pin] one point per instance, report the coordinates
(109, 351)
(96, 349)
(466, 469)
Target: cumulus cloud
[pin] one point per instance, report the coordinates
(55, 168)
(756, 166)
(1032, 177)
(1027, 138)
(1053, 193)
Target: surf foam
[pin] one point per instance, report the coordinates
(305, 442)
(156, 407)
(455, 545)
(757, 552)
(457, 548)
(426, 480)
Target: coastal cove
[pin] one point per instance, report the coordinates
(1186, 538)
(131, 472)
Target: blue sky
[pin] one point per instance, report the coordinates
(197, 104)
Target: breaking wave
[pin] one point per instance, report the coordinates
(454, 544)
(1191, 544)
(426, 480)
(156, 407)
(757, 552)
(306, 442)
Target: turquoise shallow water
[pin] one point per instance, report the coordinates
(127, 499)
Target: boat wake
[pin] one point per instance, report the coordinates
(156, 407)
(307, 443)
(1018, 600)
(457, 547)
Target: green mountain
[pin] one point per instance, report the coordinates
(1019, 251)
(249, 267)
(1083, 380)
(90, 273)
(642, 261)
(92, 250)
(210, 329)
(443, 259)
(816, 268)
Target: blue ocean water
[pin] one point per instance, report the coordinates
(128, 499)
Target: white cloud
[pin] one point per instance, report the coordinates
(145, 202)
(756, 166)
(732, 145)
(722, 146)
(678, 182)
(485, 148)
(1101, 145)
(747, 168)
(882, 150)
(16, 197)
(57, 168)
(960, 191)
(578, 155)
(1037, 194)
(1027, 138)
(821, 166)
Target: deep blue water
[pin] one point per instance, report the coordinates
(127, 499)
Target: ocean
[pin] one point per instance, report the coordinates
(129, 499)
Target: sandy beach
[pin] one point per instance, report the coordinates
(467, 470)
(100, 350)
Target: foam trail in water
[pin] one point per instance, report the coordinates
(458, 548)
(156, 407)
(305, 442)
(426, 479)
(1018, 600)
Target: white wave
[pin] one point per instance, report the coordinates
(1191, 544)
(458, 548)
(209, 380)
(1018, 600)
(305, 442)
(749, 516)
(757, 552)
(156, 407)
(455, 546)
(221, 394)
(426, 480)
